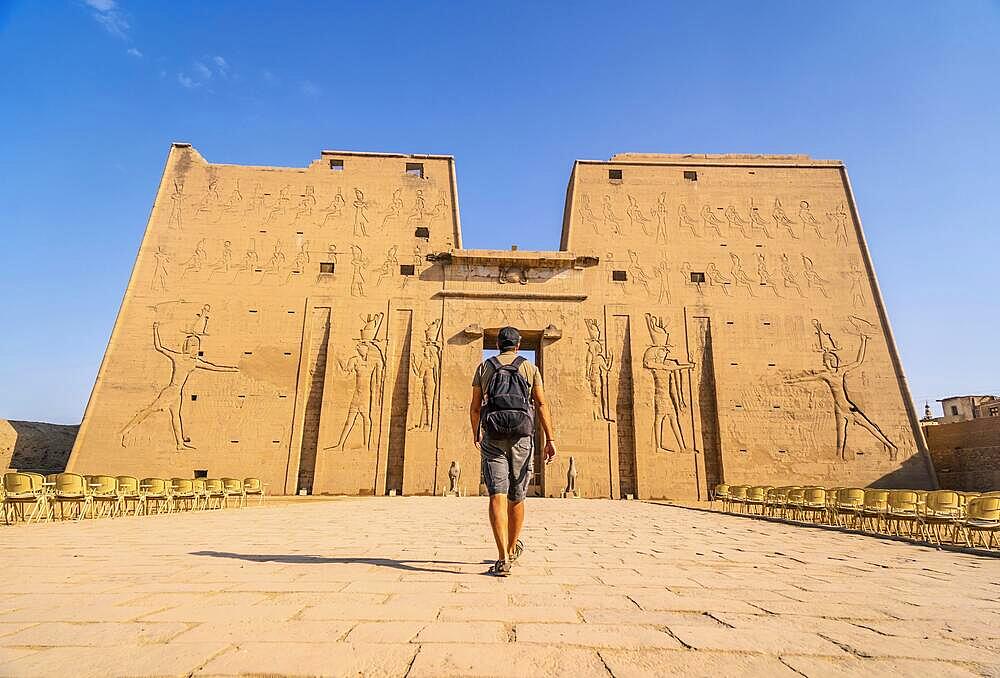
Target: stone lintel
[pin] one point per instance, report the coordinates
(516, 258)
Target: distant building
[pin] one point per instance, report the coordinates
(968, 407)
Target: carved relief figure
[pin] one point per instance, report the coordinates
(809, 220)
(710, 221)
(689, 279)
(813, 278)
(277, 260)
(335, 209)
(782, 220)
(635, 215)
(598, 370)
(857, 286)
(427, 369)
(717, 279)
(395, 208)
(685, 221)
(198, 327)
(210, 198)
(306, 205)
(255, 205)
(300, 261)
(759, 223)
(224, 261)
(280, 206)
(517, 275)
(788, 277)
(368, 368)
(638, 275)
(360, 213)
(233, 202)
(440, 209)
(198, 259)
(389, 266)
(737, 223)
(662, 213)
(662, 272)
(668, 386)
(160, 261)
(182, 364)
(740, 276)
(840, 219)
(834, 375)
(250, 260)
(587, 215)
(611, 219)
(419, 213)
(359, 263)
(176, 204)
(766, 280)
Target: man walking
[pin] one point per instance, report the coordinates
(503, 391)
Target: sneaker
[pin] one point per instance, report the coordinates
(501, 568)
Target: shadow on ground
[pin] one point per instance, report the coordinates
(322, 560)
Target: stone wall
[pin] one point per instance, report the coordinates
(966, 454)
(35, 445)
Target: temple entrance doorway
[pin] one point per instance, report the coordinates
(531, 349)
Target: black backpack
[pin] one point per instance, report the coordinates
(508, 413)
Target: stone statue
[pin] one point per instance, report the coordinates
(571, 474)
(454, 473)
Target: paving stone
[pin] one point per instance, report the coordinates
(312, 659)
(121, 660)
(594, 635)
(438, 660)
(510, 614)
(644, 663)
(464, 632)
(266, 630)
(94, 634)
(753, 640)
(830, 667)
(384, 632)
(374, 612)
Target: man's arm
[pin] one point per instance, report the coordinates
(212, 367)
(475, 410)
(545, 419)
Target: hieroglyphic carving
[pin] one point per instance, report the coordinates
(685, 221)
(368, 368)
(840, 219)
(306, 205)
(250, 261)
(335, 209)
(389, 266)
(808, 219)
(662, 213)
(834, 375)
(225, 260)
(280, 206)
(662, 272)
(789, 279)
(710, 221)
(210, 198)
(198, 259)
(717, 279)
(439, 210)
(255, 205)
(427, 368)
(158, 283)
(182, 364)
(635, 215)
(668, 385)
(276, 262)
(857, 285)
(233, 202)
(813, 278)
(359, 263)
(759, 223)
(637, 273)
(198, 327)
(781, 219)
(766, 279)
(419, 214)
(598, 370)
(689, 280)
(395, 208)
(611, 220)
(360, 213)
(587, 215)
(737, 223)
(740, 277)
(176, 205)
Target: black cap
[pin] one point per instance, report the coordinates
(508, 337)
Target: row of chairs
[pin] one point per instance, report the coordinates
(32, 497)
(937, 516)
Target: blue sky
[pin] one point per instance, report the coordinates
(93, 92)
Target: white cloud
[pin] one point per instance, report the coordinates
(310, 89)
(202, 70)
(186, 81)
(132, 51)
(107, 14)
(221, 65)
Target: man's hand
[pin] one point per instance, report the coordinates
(476, 442)
(550, 452)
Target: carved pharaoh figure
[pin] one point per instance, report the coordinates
(427, 369)
(781, 219)
(737, 223)
(598, 370)
(367, 368)
(740, 276)
(662, 213)
(176, 204)
(668, 386)
(183, 363)
(360, 213)
(635, 215)
(395, 208)
(684, 220)
(834, 375)
(161, 259)
(813, 278)
(710, 221)
(840, 220)
(611, 219)
(335, 209)
(788, 277)
(358, 263)
(587, 215)
(808, 219)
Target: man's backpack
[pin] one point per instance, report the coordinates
(508, 413)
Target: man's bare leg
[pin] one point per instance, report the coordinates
(498, 521)
(515, 520)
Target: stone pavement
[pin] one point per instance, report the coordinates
(385, 586)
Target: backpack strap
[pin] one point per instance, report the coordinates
(517, 361)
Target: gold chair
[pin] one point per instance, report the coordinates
(738, 497)
(876, 503)
(942, 509)
(254, 488)
(215, 490)
(21, 491)
(200, 487)
(721, 492)
(156, 494)
(793, 502)
(233, 488)
(813, 503)
(983, 516)
(128, 490)
(70, 488)
(901, 507)
(754, 501)
(847, 509)
(104, 495)
(182, 492)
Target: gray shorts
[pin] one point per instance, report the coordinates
(507, 466)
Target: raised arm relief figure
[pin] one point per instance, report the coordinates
(182, 364)
(668, 385)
